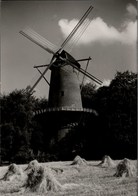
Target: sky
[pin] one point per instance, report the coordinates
(110, 39)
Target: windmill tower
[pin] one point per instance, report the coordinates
(65, 104)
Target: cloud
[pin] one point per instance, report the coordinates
(87, 81)
(132, 11)
(106, 82)
(99, 31)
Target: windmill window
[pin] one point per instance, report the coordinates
(62, 93)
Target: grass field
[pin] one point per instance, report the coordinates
(91, 180)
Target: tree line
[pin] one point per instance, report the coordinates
(113, 132)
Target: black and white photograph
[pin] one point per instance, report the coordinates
(68, 92)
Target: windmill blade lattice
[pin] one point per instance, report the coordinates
(39, 40)
(42, 75)
(67, 60)
(77, 36)
(60, 53)
(77, 32)
(87, 74)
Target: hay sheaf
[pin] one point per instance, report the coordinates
(13, 172)
(32, 165)
(79, 161)
(107, 162)
(125, 169)
(41, 180)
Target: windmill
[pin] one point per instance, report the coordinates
(64, 100)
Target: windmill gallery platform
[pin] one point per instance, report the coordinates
(58, 120)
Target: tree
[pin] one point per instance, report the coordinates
(117, 107)
(88, 91)
(112, 132)
(16, 122)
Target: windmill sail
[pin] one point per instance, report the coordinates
(88, 74)
(42, 76)
(61, 54)
(39, 40)
(83, 71)
(74, 40)
(78, 29)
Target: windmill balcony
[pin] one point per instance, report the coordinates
(60, 109)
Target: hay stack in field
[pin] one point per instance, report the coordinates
(41, 180)
(35, 163)
(31, 165)
(125, 169)
(13, 172)
(107, 162)
(79, 161)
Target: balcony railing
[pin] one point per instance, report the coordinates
(56, 109)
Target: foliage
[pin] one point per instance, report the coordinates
(17, 124)
(117, 123)
(116, 105)
(113, 132)
(88, 92)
